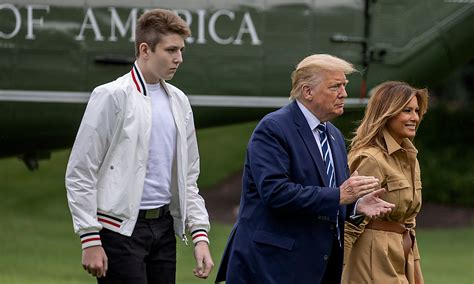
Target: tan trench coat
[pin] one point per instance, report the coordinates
(373, 256)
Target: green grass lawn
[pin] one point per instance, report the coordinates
(447, 256)
(37, 243)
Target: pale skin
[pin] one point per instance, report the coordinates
(95, 261)
(162, 62)
(373, 206)
(356, 187)
(204, 263)
(367, 189)
(158, 64)
(404, 124)
(326, 101)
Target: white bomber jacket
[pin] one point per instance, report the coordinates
(106, 169)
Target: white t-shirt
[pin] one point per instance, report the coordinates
(162, 149)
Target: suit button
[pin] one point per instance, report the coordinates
(326, 257)
(331, 227)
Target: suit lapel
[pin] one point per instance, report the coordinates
(306, 134)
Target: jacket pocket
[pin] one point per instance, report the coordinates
(398, 184)
(263, 237)
(400, 193)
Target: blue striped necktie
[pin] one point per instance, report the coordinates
(326, 156)
(323, 138)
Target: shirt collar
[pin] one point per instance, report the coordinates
(312, 120)
(393, 146)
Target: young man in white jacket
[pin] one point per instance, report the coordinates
(132, 175)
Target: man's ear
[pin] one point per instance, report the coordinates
(306, 92)
(144, 50)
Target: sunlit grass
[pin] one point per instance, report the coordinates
(447, 255)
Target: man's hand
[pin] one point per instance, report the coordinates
(204, 263)
(372, 206)
(94, 261)
(357, 186)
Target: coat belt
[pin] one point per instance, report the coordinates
(394, 227)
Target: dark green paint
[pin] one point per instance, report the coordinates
(416, 41)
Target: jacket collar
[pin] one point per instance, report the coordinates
(138, 79)
(393, 146)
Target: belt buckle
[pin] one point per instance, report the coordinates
(152, 213)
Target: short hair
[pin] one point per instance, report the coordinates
(155, 23)
(311, 70)
(387, 100)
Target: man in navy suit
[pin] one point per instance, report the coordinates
(296, 186)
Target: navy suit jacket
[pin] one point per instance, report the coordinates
(287, 218)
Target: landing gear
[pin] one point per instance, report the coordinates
(31, 160)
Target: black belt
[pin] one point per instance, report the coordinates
(154, 213)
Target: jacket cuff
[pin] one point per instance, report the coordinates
(199, 235)
(90, 239)
(355, 218)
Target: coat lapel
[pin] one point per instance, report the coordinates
(306, 134)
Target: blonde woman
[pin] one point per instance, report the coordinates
(384, 249)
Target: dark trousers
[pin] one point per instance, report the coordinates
(333, 272)
(147, 257)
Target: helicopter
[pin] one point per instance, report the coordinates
(237, 63)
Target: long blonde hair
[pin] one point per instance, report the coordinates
(388, 100)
